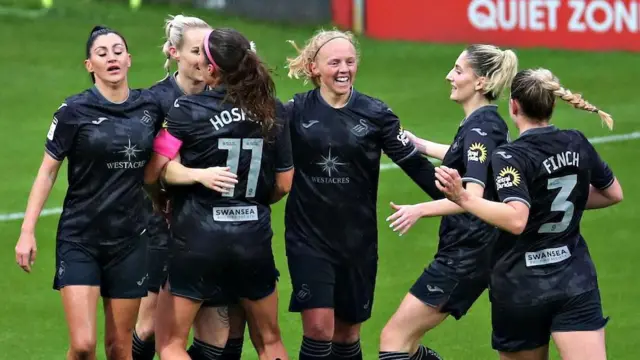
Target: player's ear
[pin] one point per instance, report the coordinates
(174, 53)
(313, 67)
(128, 60)
(514, 108)
(480, 81)
(88, 65)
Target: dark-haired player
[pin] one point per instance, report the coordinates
(459, 273)
(544, 282)
(107, 134)
(223, 241)
(215, 325)
(338, 135)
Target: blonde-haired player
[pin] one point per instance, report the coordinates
(459, 273)
(544, 282)
(338, 135)
(216, 321)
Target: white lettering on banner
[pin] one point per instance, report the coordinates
(598, 16)
(235, 213)
(547, 256)
(619, 15)
(536, 15)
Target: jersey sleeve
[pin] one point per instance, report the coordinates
(601, 175)
(510, 179)
(284, 155)
(62, 132)
(395, 142)
(479, 143)
(178, 120)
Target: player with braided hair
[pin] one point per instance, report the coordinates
(544, 282)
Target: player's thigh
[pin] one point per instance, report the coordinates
(354, 292)
(145, 324)
(409, 323)
(313, 280)
(124, 269)
(441, 288)
(80, 304)
(255, 284)
(578, 327)
(119, 319)
(520, 329)
(175, 316)
(237, 320)
(211, 325)
(78, 278)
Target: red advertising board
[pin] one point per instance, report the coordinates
(561, 24)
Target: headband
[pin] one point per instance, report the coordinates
(207, 51)
(326, 42)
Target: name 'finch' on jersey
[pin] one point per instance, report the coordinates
(549, 170)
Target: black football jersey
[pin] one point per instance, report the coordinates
(331, 210)
(107, 146)
(216, 133)
(166, 92)
(550, 171)
(465, 240)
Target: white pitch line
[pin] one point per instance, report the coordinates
(23, 13)
(383, 167)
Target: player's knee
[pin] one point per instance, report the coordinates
(83, 346)
(318, 324)
(270, 334)
(346, 333)
(318, 328)
(145, 328)
(116, 349)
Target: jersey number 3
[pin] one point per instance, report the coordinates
(234, 147)
(560, 203)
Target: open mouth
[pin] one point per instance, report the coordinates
(113, 68)
(342, 79)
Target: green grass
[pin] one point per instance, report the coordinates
(42, 59)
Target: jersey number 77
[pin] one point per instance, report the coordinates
(234, 147)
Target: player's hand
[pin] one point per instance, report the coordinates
(217, 178)
(415, 141)
(404, 217)
(449, 182)
(26, 251)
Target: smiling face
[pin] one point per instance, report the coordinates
(335, 66)
(108, 59)
(465, 84)
(188, 54)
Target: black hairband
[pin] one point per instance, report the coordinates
(326, 42)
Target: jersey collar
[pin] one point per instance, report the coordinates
(103, 99)
(479, 110)
(540, 130)
(349, 100)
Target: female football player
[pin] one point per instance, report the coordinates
(544, 282)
